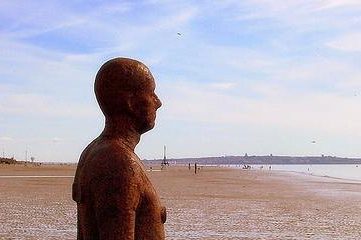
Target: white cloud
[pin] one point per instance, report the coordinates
(181, 18)
(43, 106)
(223, 85)
(115, 7)
(56, 139)
(298, 16)
(339, 3)
(350, 42)
(328, 113)
(6, 139)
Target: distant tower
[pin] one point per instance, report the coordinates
(164, 161)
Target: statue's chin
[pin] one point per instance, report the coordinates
(146, 127)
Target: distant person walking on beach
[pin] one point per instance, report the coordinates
(115, 199)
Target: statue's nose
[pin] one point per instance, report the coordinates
(159, 103)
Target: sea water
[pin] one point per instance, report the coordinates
(342, 171)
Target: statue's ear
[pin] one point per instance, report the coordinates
(130, 103)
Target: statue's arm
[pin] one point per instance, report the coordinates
(115, 199)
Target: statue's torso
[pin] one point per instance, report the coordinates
(112, 160)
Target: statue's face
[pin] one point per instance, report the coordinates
(125, 87)
(145, 105)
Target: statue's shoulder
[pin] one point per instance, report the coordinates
(105, 163)
(108, 157)
(106, 149)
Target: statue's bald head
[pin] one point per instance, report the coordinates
(118, 80)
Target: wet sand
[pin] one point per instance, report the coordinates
(217, 203)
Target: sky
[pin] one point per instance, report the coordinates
(253, 76)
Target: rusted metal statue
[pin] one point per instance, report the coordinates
(115, 199)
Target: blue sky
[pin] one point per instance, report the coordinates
(249, 76)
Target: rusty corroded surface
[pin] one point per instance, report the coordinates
(115, 199)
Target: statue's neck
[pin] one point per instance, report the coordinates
(121, 128)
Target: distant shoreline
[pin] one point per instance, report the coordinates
(259, 160)
(224, 160)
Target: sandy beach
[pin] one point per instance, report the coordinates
(216, 203)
